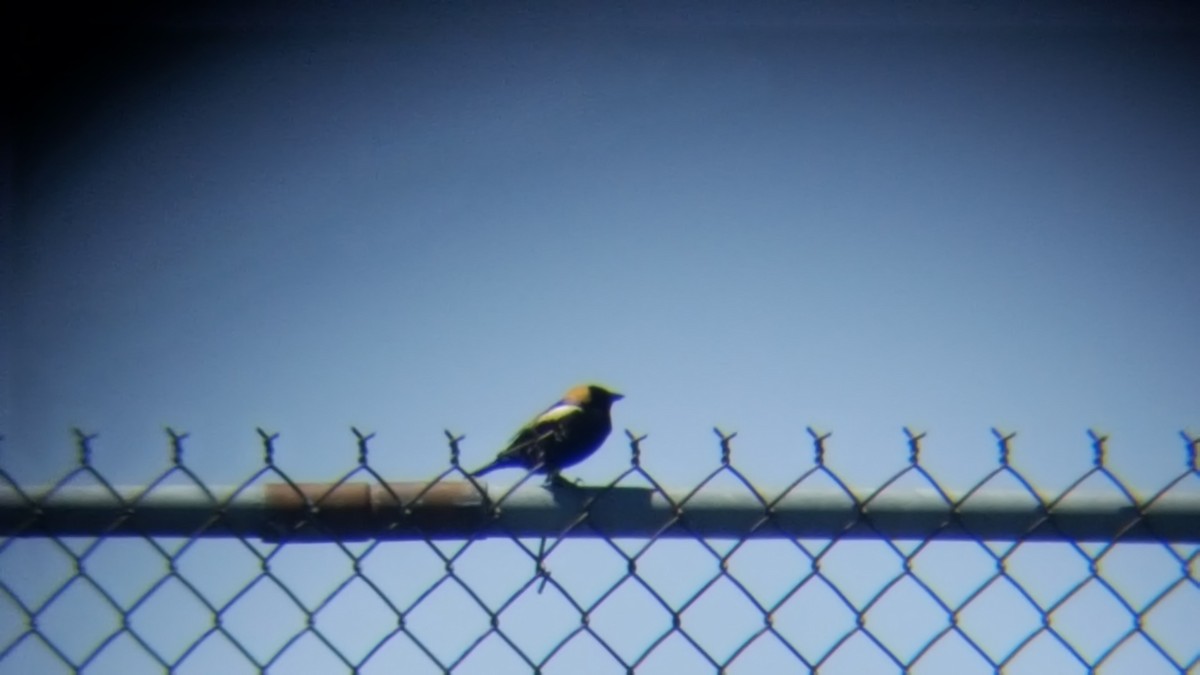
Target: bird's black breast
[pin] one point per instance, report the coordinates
(572, 443)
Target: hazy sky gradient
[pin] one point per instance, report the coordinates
(751, 228)
(423, 221)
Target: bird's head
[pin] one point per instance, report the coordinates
(593, 396)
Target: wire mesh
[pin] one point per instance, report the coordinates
(221, 596)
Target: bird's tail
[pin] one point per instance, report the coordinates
(488, 468)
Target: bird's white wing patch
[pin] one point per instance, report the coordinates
(558, 413)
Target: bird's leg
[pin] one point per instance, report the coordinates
(555, 479)
(541, 566)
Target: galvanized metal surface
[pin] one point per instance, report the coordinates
(458, 508)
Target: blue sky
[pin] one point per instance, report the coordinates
(422, 222)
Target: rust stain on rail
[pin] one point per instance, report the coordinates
(298, 497)
(363, 510)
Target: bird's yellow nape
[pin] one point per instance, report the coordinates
(587, 393)
(579, 394)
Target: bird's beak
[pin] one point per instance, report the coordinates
(615, 396)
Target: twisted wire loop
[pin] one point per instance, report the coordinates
(452, 574)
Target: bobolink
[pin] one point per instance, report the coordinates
(565, 434)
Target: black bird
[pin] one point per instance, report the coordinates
(565, 434)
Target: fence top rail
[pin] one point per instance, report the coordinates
(460, 509)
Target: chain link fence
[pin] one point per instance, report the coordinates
(455, 575)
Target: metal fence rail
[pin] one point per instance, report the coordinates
(455, 575)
